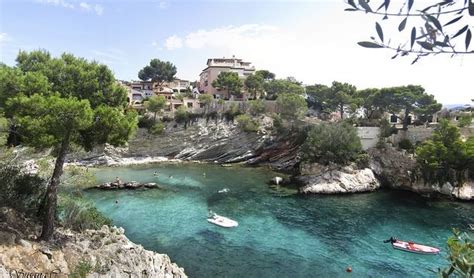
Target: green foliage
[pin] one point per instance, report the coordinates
(317, 97)
(155, 104)
(362, 160)
(145, 121)
(111, 125)
(232, 112)
(206, 100)
(445, 157)
(85, 109)
(406, 144)
(47, 121)
(74, 77)
(19, 190)
(82, 269)
(254, 84)
(157, 129)
(341, 95)
(158, 71)
(372, 101)
(3, 130)
(440, 25)
(14, 82)
(460, 256)
(337, 143)
(256, 107)
(266, 75)
(230, 82)
(291, 106)
(78, 178)
(275, 88)
(410, 99)
(465, 120)
(181, 115)
(278, 123)
(246, 123)
(78, 214)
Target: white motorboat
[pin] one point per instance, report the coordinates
(222, 221)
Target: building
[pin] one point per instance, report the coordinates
(218, 65)
(178, 85)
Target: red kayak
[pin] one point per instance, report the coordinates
(413, 247)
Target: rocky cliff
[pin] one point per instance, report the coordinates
(102, 253)
(397, 169)
(334, 179)
(216, 141)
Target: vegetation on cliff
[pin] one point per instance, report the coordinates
(446, 157)
(73, 102)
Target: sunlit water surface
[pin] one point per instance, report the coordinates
(279, 234)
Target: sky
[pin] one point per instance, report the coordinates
(314, 41)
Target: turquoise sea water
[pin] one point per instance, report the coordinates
(279, 235)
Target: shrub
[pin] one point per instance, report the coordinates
(145, 122)
(257, 107)
(181, 115)
(278, 124)
(246, 123)
(232, 112)
(20, 191)
(445, 157)
(77, 214)
(157, 129)
(406, 144)
(337, 143)
(82, 269)
(362, 160)
(291, 106)
(465, 120)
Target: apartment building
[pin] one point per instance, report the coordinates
(218, 65)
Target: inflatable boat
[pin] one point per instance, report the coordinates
(412, 247)
(222, 221)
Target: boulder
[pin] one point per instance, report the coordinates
(336, 180)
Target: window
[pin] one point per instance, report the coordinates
(393, 119)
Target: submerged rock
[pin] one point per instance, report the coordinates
(127, 185)
(106, 252)
(332, 179)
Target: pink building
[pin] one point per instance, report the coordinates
(218, 65)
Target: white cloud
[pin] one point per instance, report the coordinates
(173, 42)
(230, 36)
(61, 3)
(110, 56)
(162, 4)
(98, 9)
(4, 37)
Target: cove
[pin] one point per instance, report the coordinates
(279, 234)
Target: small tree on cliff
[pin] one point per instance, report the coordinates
(337, 143)
(445, 157)
(86, 109)
(155, 104)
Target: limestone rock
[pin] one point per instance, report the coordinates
(335, 180)
(108, 251)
